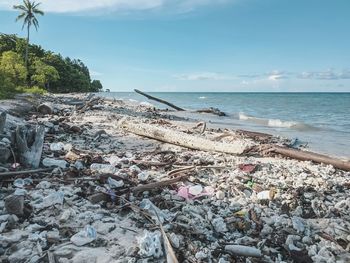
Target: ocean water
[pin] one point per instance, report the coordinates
(320, 120)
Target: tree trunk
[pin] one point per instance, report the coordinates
(310, 156)
(30, 145)
(27, 51)
(159, 100)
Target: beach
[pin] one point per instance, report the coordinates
(105, 194)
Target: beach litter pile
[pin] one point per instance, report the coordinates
(90, 179)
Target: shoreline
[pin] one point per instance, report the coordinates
(284, 209)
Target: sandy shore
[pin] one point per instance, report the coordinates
(225, 208)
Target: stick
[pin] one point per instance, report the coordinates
(182, 139)
(310, 156)
(254, 135)
(11, 174)
(152, 186)
(159, 100)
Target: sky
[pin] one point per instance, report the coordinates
(200, 45)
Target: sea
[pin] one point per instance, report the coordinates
(320, 121)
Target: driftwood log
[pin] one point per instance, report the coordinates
(2, 121)
(30, 144)
(212, 110)
(310, 156)
(159, 100)
(182, 139)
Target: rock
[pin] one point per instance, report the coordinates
(5, 154)
(150, 244)
(75, 129)
(50, 162)
(174, 239)
(72, 156)
(201, 255)
(45, 109)
(114, 183)
(219, 225)
(14, 204)
(143, 176)
(220, 195)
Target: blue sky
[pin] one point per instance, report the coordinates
(200, 45)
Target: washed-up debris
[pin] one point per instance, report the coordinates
(109, 195)
(84, 237)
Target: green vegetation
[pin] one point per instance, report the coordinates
(26, 67)
(46, 71)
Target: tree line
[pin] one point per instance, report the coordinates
(45, 71)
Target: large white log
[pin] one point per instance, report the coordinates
(182, 139)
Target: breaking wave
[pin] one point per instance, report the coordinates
(277, 123)
(202, 97)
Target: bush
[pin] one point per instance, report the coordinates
(34, 90)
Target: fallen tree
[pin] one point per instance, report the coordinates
(311, 156)
(159, 100)
(182, 139)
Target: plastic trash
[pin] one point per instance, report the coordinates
(192, 192)
(22, 182)
(85, 236)
(114, 183)
(20, 191)
(50, 200)
(103, 168)
(150, 244)
(146, 204)
(59, 146)
(49, 162)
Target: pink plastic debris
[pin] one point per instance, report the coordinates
(248, 168)
(183, 192)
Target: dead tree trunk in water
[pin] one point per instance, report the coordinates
(310, 156)
(30, 145)
(159, 100)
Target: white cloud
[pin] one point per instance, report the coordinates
(203, 76)
(78, 6)
(277, 75)
(329, 74)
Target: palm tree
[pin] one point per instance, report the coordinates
(28, 11)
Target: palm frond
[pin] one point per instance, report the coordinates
(19, 17)
(35, 23)
(37, 11)
(20, 7)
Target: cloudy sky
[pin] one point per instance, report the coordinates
(200, 45)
